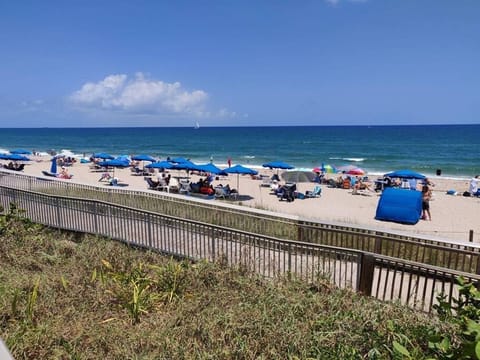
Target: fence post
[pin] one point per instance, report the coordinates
(57, 204)
(212, 241)
(378, 246)
(367, 267)
(299, 231)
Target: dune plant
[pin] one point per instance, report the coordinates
(131, 288)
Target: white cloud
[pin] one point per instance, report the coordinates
(140, 95)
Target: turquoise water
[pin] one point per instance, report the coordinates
(453, 149)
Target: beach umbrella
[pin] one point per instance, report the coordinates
(356, 171)
(278, 165)
(346, 168)
(160, 165)
(239, 169)
(405, 174)
(325, 168)
(20, 151)
(115, 163)
(211, 168)
(179, 160)
(143, 157)
(53, 167)
(103, 156)
(14, 157)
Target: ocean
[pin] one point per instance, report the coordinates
(450, 150)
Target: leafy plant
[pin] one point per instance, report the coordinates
(131, 289)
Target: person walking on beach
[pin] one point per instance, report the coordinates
(426, 196)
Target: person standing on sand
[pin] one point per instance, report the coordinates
(473, 188)
(426, 196)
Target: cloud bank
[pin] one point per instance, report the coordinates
(140, 95)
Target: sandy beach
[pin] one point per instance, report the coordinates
(453, 217)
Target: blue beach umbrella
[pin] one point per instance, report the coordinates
(20, 151)
(178, 160)
(14, 157)
(405, 174)
(115, 163)
(186, 165)
(103, 156)
(53, 167)
(210, 168)
(143, 157)
(160, 165)
(239, 169)
(278, 165)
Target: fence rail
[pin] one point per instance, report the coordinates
(460, 256)
(411, 283)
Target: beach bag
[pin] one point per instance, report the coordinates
(451, 192)
(466, 193)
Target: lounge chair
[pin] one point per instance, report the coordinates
(173, 185)
(152, 185)
(184, 188)
(316, 192)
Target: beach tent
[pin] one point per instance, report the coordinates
(405, 174)
(399, 205)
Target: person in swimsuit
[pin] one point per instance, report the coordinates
(426, 196)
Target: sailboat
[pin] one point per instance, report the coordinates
(197, 125)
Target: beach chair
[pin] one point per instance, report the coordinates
(184, 187)
(316, 192)
(220, 193)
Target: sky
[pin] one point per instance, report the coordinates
(90, 63)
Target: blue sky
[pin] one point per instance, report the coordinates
(239, 63)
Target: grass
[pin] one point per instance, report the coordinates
(73, 296)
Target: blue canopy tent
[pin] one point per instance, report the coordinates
(405, 174)
(239, 169)
(399, 205)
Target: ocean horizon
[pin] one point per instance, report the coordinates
(452, 151)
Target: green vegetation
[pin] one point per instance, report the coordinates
(66, 295)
